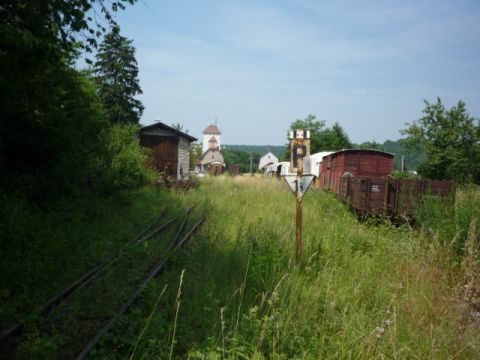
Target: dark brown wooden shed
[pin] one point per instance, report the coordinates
(170, 149)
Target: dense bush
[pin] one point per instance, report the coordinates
(54, 134)
(67, 146)
(124, 159)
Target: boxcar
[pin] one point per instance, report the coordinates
(354, 163)
(390, 197)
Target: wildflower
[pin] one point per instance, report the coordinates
(387, 322)
(273, 299)
(379, 332)
(475, 315)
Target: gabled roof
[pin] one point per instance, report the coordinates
(317, 157)
(160, 125)
(212, 139)
(209, 151)
(212, 129)
(361, 151)
(268, 155)
(217, 156)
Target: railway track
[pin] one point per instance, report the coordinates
(52, 314)
(174, 244)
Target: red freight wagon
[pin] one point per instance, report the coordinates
(354, 163)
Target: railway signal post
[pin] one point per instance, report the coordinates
(298, 181)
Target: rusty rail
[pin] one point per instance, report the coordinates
(175, 244)
(85, 279)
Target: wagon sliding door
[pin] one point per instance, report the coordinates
(359, 189)
(391, 197)
(376, 196)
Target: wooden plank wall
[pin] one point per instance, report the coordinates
(357, 163)
(390, 197)
(164, 151)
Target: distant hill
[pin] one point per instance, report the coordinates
(412, 161)
(277, 150)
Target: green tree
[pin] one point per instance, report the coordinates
(450, 140)
(116, 75)
(321, 138)
(195, 153)
(50, 115)
(241, 158)
(179, 127)
(315, 127)
(334, 138)
(124, 162)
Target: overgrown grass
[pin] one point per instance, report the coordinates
(364, 290)
(448, 221)
(43, 250)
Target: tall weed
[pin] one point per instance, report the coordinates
(448, 220)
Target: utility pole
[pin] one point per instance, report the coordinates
(251, 163)
(403, 163)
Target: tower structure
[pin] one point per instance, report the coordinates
(211, 138)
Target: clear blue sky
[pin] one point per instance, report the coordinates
(259, 65)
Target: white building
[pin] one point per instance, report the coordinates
(283, 168)
(211, 134)
(266, 160)
(312, 163)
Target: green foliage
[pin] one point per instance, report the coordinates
(179, 127)
(195, 153)
(450, 140)
(412, 158)
(125, 161)
(45, 249)
(52, 140)
(116, 75)
(315, 127)
(241, 158)
(334, 139)
(321, 138)
(402, 175)
(277, 150)
(51, 118)
(449, 220)
(365, 290)
(52, 26)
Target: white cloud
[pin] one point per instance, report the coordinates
(262, 66)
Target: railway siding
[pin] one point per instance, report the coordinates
(62, 325)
